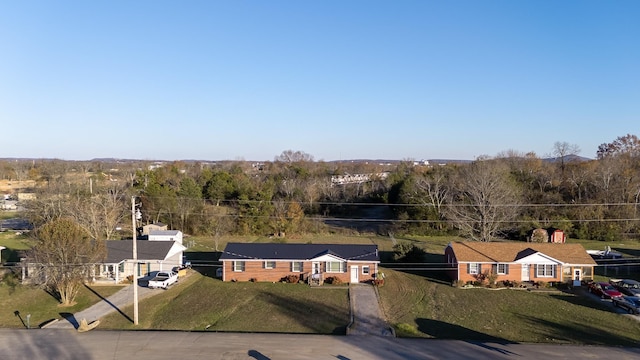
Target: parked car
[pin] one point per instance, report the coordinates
(629, 303)
(604, 290)
(626, 286)
(163, 280)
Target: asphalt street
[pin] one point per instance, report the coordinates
(40, 344)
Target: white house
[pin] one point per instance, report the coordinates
(151, 256)
(165, 235)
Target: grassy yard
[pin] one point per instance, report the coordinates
(417, 307)
(200, 302)
(13, 243)
(17, 301)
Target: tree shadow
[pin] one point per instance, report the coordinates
(572, 331)
(110, 303)
(442, 330)
(306, 311)
(257, 355)
(70, 318)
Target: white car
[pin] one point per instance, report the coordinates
(163, 280)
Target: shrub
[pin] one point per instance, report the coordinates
(291, 279)
(332, 280)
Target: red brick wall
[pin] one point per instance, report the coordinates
(255, 270)
(515, 273)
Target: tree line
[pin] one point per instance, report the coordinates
(504, 196)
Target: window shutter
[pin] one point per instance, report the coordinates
(506, 269)
(479, 268)
(494, 268)
(468, 268)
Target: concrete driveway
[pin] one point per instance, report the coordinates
(367, 318)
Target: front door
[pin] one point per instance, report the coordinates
(354, 275)
(315, 267)
(525, 272)
(577, 276)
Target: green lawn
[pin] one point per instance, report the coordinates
(422, 305)
(13, 243)
(18, 301)
(417, 307)
(199, 302)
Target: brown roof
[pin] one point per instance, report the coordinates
(505, 252)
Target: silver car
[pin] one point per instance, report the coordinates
(629, 303)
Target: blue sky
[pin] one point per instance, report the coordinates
(227, 80)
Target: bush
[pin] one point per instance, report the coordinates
(291, 279)
(332, 280)
(408, 253)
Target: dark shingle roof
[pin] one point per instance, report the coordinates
(277, 251)
(118, 250)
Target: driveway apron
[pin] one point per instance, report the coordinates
(113, 303)
(365, 309)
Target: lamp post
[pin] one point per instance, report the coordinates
(135, 261)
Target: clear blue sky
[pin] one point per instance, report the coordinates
(226, 80)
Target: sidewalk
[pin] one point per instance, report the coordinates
(113, 303)
(365, 309)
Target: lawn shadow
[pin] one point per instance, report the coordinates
(581, 297)
(110, 304)
(442, 330)
(19, 316)
(320, 313)
(575, 332)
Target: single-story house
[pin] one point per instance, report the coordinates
(165, 235)
(155, 226)
(519, 261)
(152, 256)
(274, 261)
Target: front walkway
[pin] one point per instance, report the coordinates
(365, 310)
(113, 303)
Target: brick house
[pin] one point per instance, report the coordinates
(519, 261)
(274, 261)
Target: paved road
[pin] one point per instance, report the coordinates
(58, 344)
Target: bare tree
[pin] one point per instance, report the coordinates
(561, 150)
(483, 199)
(628, 144)
(290, 156)
(66, 255)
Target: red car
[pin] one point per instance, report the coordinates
(604, 290)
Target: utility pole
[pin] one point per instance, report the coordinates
(135, 261)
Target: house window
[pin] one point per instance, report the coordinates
(365, 270)
(335, 266)
(270, 264)
(473, 268)
(502, 269)
(296, 266)
(545, 270)
(238, 266)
